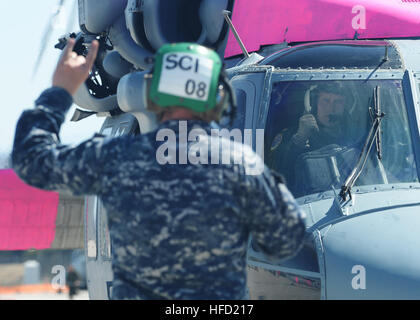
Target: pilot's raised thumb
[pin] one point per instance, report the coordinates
(307, 126)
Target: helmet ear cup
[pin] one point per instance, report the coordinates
(314, 102)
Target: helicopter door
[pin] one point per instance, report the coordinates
(98, 247)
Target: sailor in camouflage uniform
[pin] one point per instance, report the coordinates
(178, 231)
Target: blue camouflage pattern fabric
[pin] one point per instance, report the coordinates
(177, 231)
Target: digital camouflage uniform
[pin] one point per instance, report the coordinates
(177, 231)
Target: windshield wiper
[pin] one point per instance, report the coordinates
(374, 135)
(377, 113)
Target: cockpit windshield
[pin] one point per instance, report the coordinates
(316, 131)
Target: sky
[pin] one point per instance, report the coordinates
(22, 25)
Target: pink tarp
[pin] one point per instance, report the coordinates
(27, 214)
(275, 21)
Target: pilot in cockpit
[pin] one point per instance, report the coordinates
(323, 125)
(324, 122)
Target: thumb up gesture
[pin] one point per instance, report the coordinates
(307, 126)
(72, 70)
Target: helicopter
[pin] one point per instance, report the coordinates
(359, 194)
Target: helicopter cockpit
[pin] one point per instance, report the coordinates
(329, 155)
(350, 96)
(356, 156)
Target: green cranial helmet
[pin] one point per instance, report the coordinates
(186, 75)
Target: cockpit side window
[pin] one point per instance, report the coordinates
(316, 130)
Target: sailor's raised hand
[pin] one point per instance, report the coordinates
(73, 69)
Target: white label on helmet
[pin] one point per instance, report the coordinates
(186, 75)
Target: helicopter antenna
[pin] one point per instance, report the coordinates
(226, 14)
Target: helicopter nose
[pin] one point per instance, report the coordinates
(363, 262)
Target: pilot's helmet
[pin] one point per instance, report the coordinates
(191, 76)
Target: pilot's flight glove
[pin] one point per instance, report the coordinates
(307, 126)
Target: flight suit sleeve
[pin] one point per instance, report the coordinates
(276, 220)
(42, 161)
